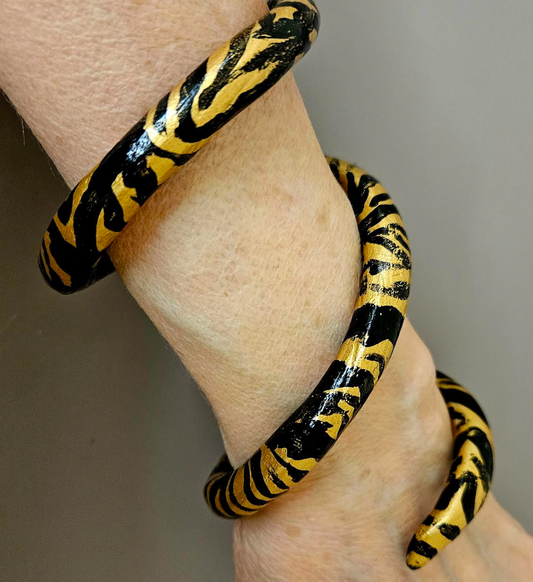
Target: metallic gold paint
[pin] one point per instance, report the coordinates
(304, 439)
(73, 256)
(469, 479)
(308, 434)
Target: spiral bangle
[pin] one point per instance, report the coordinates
(310, 432)
(73, 256)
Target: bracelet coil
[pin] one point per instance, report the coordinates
(73, 252)
(469, 480)
(73, 256)
(310, 432)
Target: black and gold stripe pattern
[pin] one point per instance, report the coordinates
(73, 256)
(73, 252)
(469, 480)
(308, 434)
(305, 438)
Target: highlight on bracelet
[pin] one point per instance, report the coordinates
(73, 252)
(310, 432)
(73, 256)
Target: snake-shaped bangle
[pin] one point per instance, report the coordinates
(309, 433)
(73, 256)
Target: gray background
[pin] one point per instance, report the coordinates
(435, 98)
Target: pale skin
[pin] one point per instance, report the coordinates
(235, 263)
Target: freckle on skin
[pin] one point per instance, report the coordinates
(318, 320)
(322, 219)
(293, 531)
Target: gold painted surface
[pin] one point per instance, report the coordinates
(167, 141)
(432, 535)
(104, 236)
(173, 108)
(313, 36)
(445, 384)
(65, 277)
(238, 491)
(354, 354)
(335, 419)
(238, 84)
(124, 196)
(284, 12)
(374, 297)
(163, 168)
(416, 561)
(302, 464)
(269, 464)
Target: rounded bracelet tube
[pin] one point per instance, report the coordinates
(304, 439)
(469, 480)
(73, 252)
(308, 434)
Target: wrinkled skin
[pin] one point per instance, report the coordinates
(235, 263)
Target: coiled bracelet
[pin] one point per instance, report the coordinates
(73, 256)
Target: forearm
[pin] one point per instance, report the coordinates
(234, 260)
(247, 261)
(227, 264)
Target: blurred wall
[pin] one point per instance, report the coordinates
(100, 479)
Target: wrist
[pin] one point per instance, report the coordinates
(368, 495)
(243, 277)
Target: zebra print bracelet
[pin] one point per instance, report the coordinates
(310, 432)
(73, 256)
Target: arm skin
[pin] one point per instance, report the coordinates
(235, 263)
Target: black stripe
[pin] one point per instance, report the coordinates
(468, 499)
(378, 198)
(233, 498)
(334, 167)
(443, 376)
(247, 487)
(379, 322)
(278, 482)
(452, 486)
(422, 548)
(356, 195)
(224, 504)
(160, 115)
(400, 290)
(449, 531)
(452, 395)
(482, 443)
(257, 476)
(375, 217)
